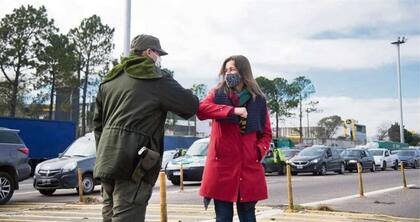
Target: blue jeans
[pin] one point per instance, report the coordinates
(224, 211)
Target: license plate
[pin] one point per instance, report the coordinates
(300, 167)
(176, 173)
(45, 181)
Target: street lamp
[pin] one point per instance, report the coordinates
(401, 40)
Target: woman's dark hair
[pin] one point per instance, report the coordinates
(244, 68)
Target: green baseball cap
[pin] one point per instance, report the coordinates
(143, 42)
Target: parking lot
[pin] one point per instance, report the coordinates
(332, 189)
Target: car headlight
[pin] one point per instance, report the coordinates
(315, 161)
(352, 161)
(69, 167)
(171, 166)
(38, 166)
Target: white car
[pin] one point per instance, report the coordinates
(384, 158)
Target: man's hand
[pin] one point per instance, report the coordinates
(241, 111)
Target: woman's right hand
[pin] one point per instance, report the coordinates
(241, 111)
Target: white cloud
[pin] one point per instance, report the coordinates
(369, 112)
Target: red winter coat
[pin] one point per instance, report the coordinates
(233, 171)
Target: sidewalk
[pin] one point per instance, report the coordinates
(59, 212)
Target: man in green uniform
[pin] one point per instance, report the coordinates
(131, 107)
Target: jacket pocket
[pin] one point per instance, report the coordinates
(146, 163)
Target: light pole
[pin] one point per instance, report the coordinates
(401, 40)
(127, 21)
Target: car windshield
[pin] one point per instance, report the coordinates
(312, 151)
(198, 149)
(376, 152)
(406, 153)
(84, 146)
(290, 153)
(355, 153)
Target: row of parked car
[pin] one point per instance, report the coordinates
(61, 172)
(316, 159)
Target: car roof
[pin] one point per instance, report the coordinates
(203, 140)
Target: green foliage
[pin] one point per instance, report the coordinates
(328, 126)
(200, 90)
(409, 137)
(93, 44)
(21, 35)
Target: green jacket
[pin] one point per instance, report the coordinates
(131, 107)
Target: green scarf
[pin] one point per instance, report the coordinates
(138, 67)
(244, 96)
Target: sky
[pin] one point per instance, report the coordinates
(342, 46)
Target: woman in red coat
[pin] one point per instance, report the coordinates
(240, 137)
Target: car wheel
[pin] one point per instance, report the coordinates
(373, 169)
(342, 169)
(6, 187)
(47, 192)
(384, 166)
(323, 170)
(88, 184)
(396, 165)
(175, 181)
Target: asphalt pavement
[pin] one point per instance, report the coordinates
(339, 192)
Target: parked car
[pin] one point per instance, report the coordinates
(318, 160)
(192, 163)
(409, 158)
(14, 165)
(171, 154)
(61, 172)
(357, 155)
(383, 158)
(290, 153)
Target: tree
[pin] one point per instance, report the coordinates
(200, 90)
(328, 126)
(311, 108)
(281, 97)
(57, 62)
(382, 131)
(409, 137)
(303, 87)
(20, 36)
(93, 42)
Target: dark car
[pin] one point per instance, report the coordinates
(192, 163)
(353, 156)
(409, 158)
(14, 165)
(61, 172)
(318, 160)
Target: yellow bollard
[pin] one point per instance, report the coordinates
(163, 206)
(181, 178)
(291, 208)
(403, 174)
(80, 180)
(359, 172)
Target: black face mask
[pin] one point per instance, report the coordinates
(233, 80)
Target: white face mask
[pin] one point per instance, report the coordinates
(158, 61)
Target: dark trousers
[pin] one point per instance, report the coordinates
(124, 200)
(224, 211)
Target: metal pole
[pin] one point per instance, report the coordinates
(163, 206)
(359, 172)
(80, 183)
(398, 43)
(403, 175)
(127, 21)
(289, 188)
